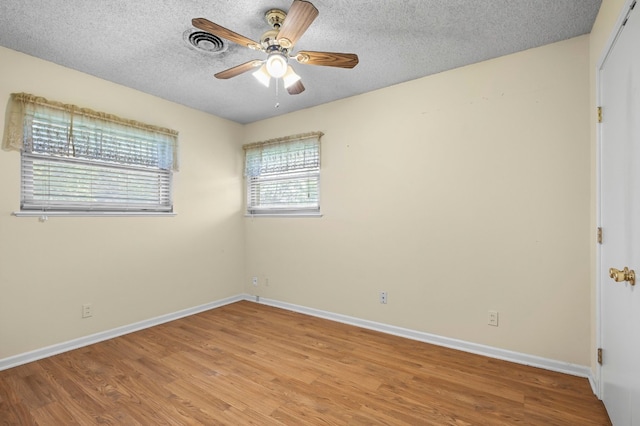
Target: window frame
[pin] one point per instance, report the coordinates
(78, 162)
(306, 174)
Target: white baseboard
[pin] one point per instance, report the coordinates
(506, 355)
(595, 384)
(475, 348)
(56, 349)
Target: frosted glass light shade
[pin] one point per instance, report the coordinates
(290, 77)
(262, 75)
(276, 65)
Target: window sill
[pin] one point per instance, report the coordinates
(45, 215)
(283, 215)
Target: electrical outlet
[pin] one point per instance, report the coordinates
(383, 297)
(254, 281)
(87, 310)
(493, 318)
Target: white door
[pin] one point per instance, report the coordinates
(620, 221)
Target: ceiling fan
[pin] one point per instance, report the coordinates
(278, 44)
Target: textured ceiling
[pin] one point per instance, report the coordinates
(140, 43)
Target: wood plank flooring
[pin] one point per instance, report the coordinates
(250, 364)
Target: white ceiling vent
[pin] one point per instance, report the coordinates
(204, 42)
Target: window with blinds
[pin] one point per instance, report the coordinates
(74, 163)
(283, 176)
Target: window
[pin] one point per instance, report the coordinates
(283, 176)
(78, 160)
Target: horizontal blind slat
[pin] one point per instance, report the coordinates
(50, 183)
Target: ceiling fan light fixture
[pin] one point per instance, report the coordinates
(290, 77)
(276, 65)
(286, 30)
(262, 75)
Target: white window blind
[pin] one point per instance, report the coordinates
(283, 175)
(74, 162)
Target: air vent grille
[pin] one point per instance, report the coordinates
(204, 41)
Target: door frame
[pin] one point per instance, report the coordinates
(624, 12)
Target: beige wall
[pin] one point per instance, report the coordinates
(130, 269)
(599, 37)
(457, 193)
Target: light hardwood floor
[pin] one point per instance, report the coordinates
(247, 363)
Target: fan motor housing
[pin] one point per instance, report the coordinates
(269, 38)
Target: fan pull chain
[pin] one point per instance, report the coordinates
(277, 105)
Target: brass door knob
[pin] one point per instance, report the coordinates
(625, 275)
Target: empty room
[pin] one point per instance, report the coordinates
(287, 212)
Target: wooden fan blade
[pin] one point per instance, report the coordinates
(328, 59)
(215, 29)
(300, 16)
(296, 88)
(239, 69)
